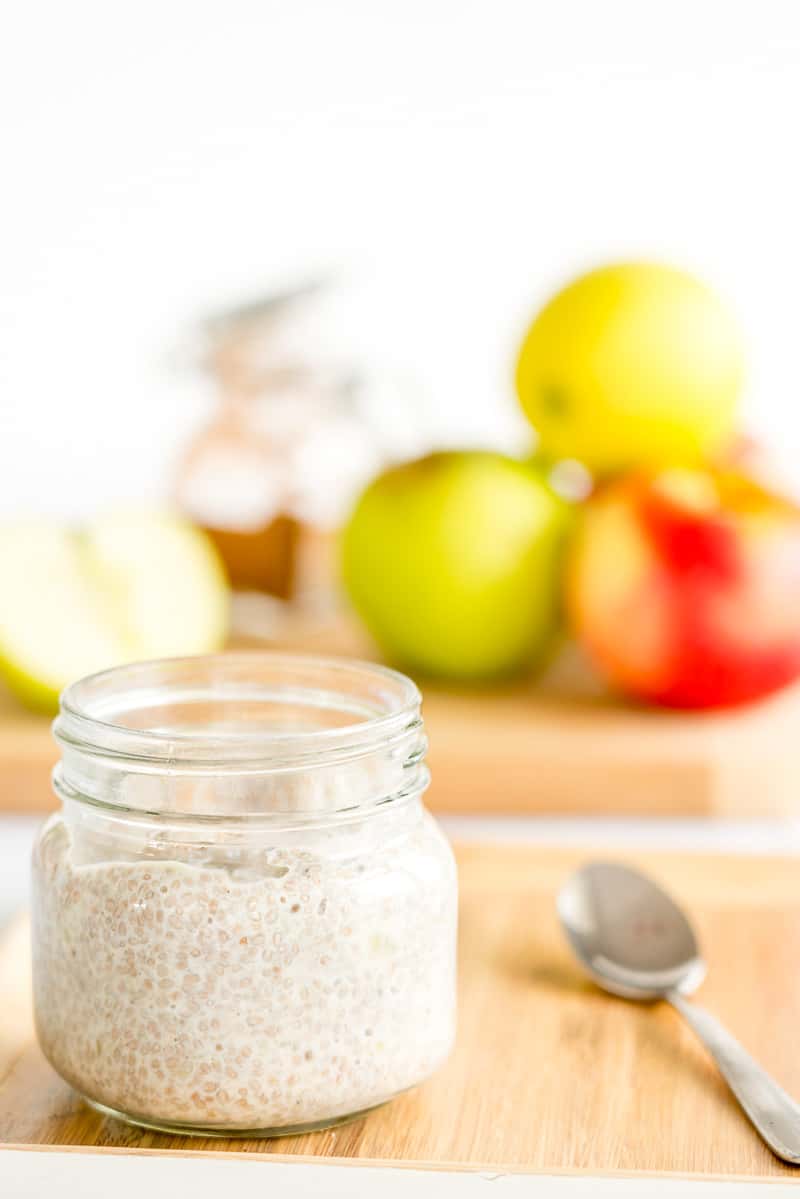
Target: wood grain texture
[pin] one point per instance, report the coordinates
(556, 745)
(548, 1073)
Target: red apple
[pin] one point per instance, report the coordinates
(684, 586)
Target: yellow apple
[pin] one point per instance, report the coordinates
(632, 365)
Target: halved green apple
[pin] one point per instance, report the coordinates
(131, 585)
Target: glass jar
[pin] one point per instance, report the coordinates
(243, 917)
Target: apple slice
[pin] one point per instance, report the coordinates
(131, 585)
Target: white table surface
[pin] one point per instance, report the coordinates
(29, 1175)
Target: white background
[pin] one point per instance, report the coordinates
(455, 160)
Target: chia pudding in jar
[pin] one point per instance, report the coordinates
(244, 919)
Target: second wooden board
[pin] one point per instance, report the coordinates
(556, 746)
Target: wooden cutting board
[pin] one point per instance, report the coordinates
(556, 745)
(548, 1073)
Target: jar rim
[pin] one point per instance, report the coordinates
(98, 714)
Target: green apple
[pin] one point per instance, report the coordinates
(130, 585)
(452, 561)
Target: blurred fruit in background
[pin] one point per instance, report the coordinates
(684, 586)
(631, 365)
(453, 563)
(129, 585)
(684, 575)
(749, 456)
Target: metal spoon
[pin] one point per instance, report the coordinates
(636, 942)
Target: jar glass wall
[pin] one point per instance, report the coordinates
(243, 917)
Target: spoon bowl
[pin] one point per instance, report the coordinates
(629, 934)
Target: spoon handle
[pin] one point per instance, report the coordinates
(773, 1113)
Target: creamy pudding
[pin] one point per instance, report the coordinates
(261, 989)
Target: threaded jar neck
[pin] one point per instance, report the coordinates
(242, 735)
